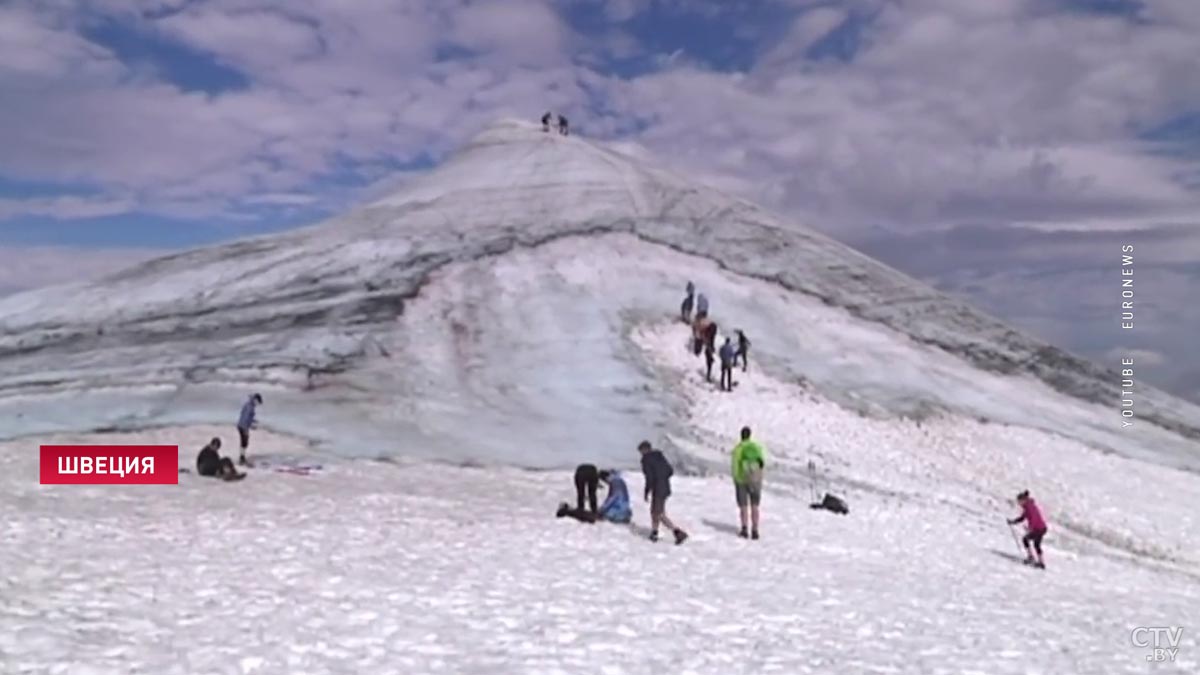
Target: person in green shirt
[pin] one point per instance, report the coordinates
(747, 468)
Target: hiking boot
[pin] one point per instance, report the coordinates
(743, 533)
(654, 536)
(754, 534)
(242, 460)
(680, 537)
(562, 510)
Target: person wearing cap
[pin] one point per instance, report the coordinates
(247, 420)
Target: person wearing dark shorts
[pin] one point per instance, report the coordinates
(747, 465)
(658, 471)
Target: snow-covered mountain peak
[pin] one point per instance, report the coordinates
(521, 172)
(485, 312)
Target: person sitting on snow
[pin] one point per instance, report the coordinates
(211, 464)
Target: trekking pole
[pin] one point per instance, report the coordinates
(1016, 541)
(812, 480)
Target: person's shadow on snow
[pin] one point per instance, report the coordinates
(725, 528)
(1006, 554)
(639, 530)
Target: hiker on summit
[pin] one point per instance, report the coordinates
(562, 126)
(211, 464)
(246, 421)
(747, 466)
(685, 310)
(743, 350)
(1035, 526)
(728, 358)
(546, 121)
(658, 472)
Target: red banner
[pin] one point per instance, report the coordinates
(110, 465)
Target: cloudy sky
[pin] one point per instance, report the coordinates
(1004, 150)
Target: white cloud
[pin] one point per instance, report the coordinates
(954, 119)
(1139, 357)
(65, 207)
(257, 40)
(808, 29)
(529, 32)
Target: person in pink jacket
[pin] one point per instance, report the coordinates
(1035, 526)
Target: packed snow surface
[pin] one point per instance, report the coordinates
(409, 567)
(484, 314)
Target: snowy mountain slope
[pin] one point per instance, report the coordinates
(509, 281)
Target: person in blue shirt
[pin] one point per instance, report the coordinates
(728, 357)
(701, 306)
(247, 421)
(616, 506)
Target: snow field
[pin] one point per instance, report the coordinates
(1095, 502)
(418, 568)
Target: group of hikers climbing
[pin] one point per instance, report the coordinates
(562, 123)
(747, 461)
(704, 339)
(211, 464)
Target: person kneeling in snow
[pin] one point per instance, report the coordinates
(616, 508)
(210, 463)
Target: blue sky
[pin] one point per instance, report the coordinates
(132, 127)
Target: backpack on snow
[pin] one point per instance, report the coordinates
(832, 503)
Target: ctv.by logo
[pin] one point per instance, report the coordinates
(1162, 642)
